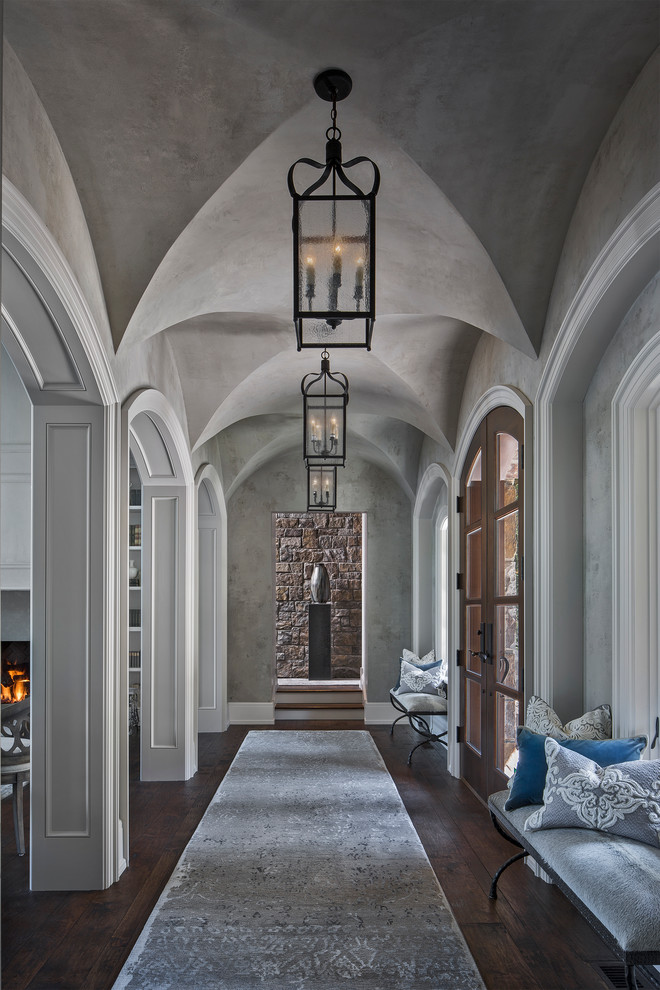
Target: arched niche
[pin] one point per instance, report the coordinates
(431, 568)
(211, 600)
(623, 268)
(636, 546)
(152, 433)
(48, 330)
(432, 499)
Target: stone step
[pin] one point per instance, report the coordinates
(318, 704)
(319, 712)
(319, 698)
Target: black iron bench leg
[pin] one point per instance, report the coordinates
(424, 742)
(405, 715)
(492, 893)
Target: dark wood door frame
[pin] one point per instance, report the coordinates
(491, 583)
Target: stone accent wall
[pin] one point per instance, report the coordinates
(302, 540)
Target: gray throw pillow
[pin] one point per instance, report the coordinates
(622, 799)
(596, 724)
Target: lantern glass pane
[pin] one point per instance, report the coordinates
(334, 256)
(349, 333)
(322, 488)
(324, 428)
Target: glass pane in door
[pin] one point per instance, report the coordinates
(507, 652)
(507, 454)
(473, 491)
(473, 624)
(473, 714)
(473, 555)
(506, 733)
(506, 555)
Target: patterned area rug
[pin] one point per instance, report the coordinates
(305, 873)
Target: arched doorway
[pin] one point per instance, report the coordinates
(491, 584)
(168, 720)
(622, 269)
(75, 832)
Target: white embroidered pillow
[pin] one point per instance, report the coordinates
(411, 657)
(596, 724)
(622, 799)
(414, 680)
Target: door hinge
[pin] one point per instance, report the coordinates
(522, 456)
(459, 659)
(459, 733)
(459, 581)
(522, 568)
(459, 503)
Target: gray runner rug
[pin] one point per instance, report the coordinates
(305, 873)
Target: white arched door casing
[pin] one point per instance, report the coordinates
(625, 265)
(75, 828)
(636, 547)
(211, 601)
(168, 737)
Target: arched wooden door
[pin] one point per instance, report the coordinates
(491, 582)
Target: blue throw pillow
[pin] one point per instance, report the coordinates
(529, 779)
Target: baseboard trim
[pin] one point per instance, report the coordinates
(251, 712)
(378, 713)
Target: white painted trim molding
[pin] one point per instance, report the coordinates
(251, 712)
(207, 474)
(636, 545)
(378, 713)
(21, 220)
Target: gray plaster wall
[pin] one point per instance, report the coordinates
(362, 487)
(625, 168)
(150, 364)
(640, 324)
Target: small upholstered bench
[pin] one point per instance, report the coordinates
(613, 881)
(419, 709)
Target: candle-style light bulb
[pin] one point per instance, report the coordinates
(335, 278)
(359, 282)
(310, 273)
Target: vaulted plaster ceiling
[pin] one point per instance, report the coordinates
(179, 120)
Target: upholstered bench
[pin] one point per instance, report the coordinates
(419, 709)
(613, 881)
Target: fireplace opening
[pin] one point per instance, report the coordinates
(15, 671)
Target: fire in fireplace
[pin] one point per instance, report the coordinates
(15, 673)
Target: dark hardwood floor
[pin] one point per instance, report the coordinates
(531, 938)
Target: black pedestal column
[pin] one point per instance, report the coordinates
(319, 642)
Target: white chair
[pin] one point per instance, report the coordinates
(15, 764)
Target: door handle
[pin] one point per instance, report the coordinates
(486, 632)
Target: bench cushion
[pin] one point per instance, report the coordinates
(617, 879)
(423, 704)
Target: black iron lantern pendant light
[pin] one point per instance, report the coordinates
(334, 234)
(325, 397)
(321, 489)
